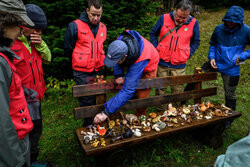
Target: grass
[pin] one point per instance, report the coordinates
(60, 147)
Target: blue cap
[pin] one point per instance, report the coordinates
(36, 14)
(116, 51)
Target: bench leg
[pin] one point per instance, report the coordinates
(210, 135)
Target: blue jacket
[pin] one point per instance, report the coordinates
(228, 44)
(72, 33)
(194, 44)
(132, 79)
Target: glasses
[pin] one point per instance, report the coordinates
(179, 17)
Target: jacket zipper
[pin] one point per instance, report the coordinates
(38, 71)
(32, 73)
(97, 51)
(171, 42)
(176, 43)
(172, 49)
(92, 49)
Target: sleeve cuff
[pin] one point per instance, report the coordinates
(105, 112)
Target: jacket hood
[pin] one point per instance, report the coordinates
(234, 14)
(84, 17)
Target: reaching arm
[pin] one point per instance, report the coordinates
(132, 79)
(118, 71)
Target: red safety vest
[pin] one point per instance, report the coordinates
(29, 68)
(88, 54)
(175, 47)
(18, 109)
(149, 52)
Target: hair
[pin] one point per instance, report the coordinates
(184, 5)
(96, 3)
(8, 19)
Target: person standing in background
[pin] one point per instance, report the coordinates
(179, 38)
(15, 121)
(33, 51)
(227, 51)
(84, 40)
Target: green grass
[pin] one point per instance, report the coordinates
(59, 144)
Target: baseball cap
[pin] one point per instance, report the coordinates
(116, 51)
(16, 7)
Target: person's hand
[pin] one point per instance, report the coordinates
(100, 118)
(237, 61)
(35, 39)
(213, 64)
(119, 80)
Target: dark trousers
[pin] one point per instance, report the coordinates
(230, 84)
(83, 78)
(34, 137)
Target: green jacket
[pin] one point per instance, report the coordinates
(43, 49)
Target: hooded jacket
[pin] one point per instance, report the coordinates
(228, 44)
(13, 150)
(147, 62)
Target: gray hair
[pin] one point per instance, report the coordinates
(184, 5)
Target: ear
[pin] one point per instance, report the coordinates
(87, 10)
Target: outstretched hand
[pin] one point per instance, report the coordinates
(99, 118)
(119, 80)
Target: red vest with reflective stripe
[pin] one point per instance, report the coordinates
(88, 54)
(29, 67)
(149, 52)
(175, 47)
(18, 109)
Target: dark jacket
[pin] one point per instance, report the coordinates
(195, 40)
(13, 152)
(228, 44)
(71, 33)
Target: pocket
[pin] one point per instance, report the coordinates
(84, 37)
(20, 64)
(182, 55)
(164, 52)
(80, 59)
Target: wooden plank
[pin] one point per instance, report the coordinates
(109, 86)
(91, 111)
(151, 135)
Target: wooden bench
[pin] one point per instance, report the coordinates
(101, 89)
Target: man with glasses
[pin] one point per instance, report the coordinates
(84, 40)
(179, 37)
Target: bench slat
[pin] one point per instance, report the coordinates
(102, 88)
(90, 111)
(151, 135)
